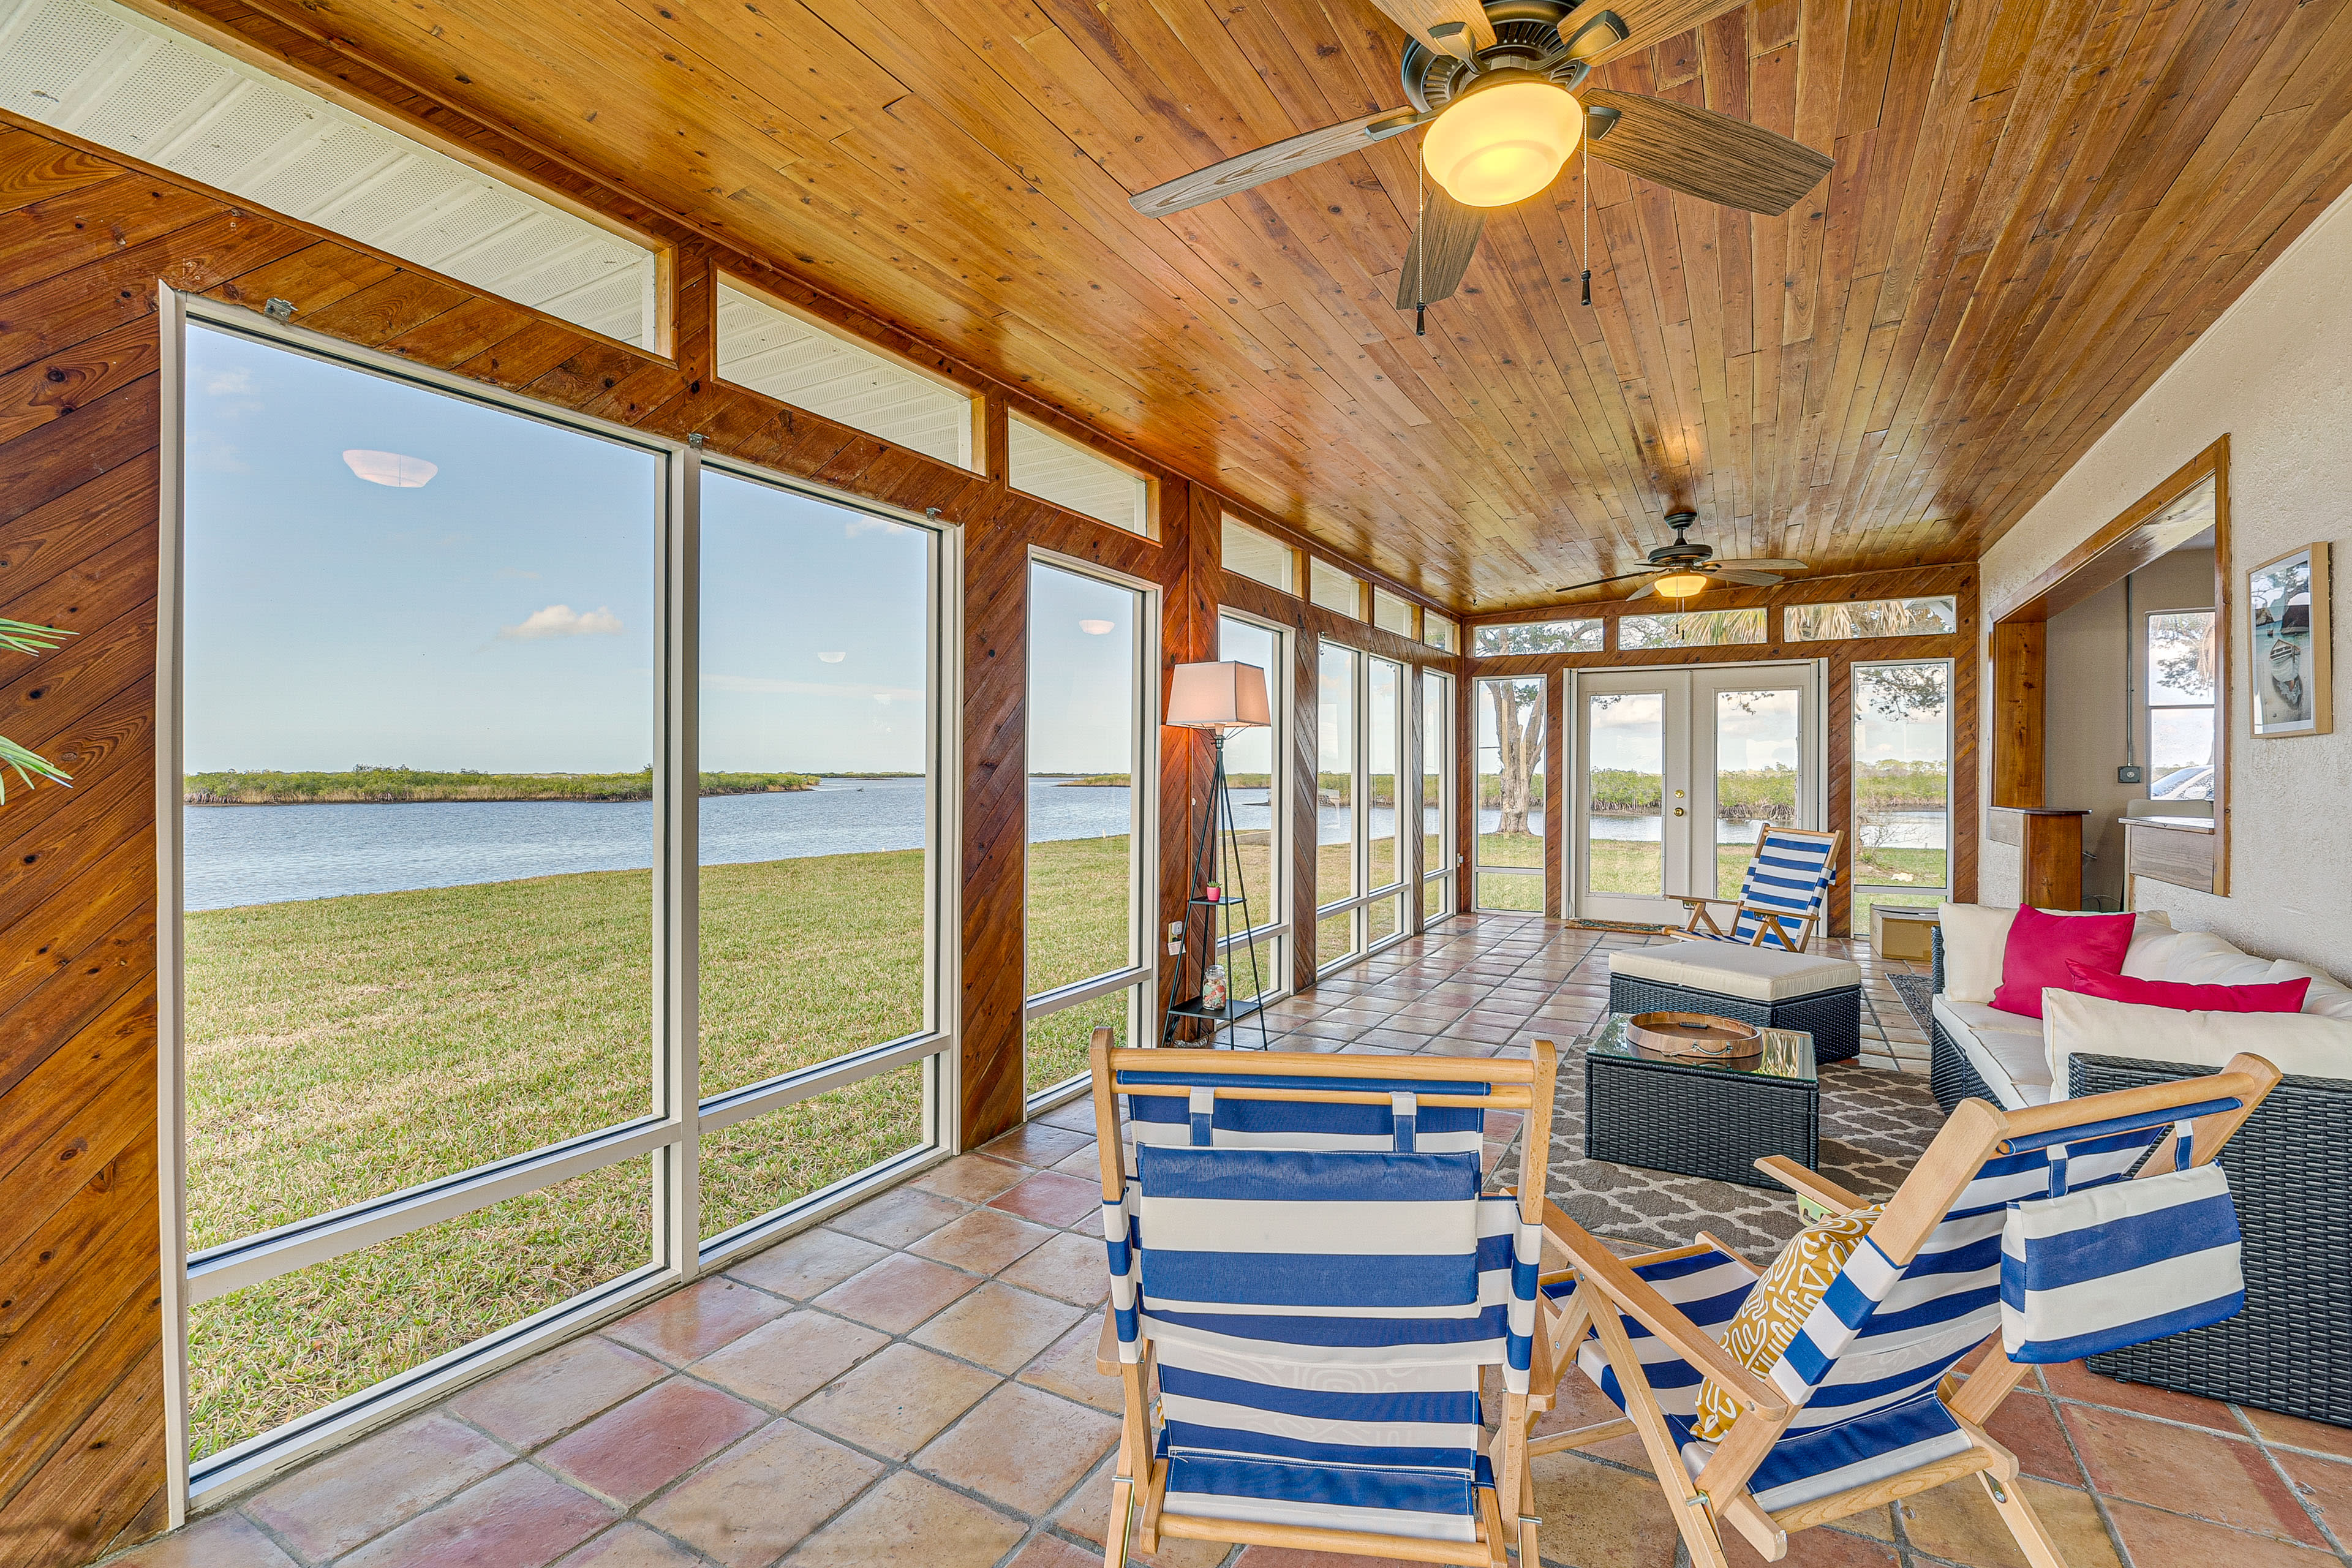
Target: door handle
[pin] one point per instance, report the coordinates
(1679, 811)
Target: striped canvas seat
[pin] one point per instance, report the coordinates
(1862, 1370)
(1791, 876)
(1320, 1286)
(1860, 1401)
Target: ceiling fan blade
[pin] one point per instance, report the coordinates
(1428, 20)
(1272, 160)
(1442, 243)
(1751, 579)
(1758, 565)
(1640, 24)
(1621, 578)
(1705, 155)
(1644, 591)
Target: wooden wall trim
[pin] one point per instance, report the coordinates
(2121, 546)
(2019, 651)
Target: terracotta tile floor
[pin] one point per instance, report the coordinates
(913, 1383)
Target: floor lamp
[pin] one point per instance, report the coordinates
(1220, 698)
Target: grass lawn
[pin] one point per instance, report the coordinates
(342, 1049)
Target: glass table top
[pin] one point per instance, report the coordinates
(1787, 1053)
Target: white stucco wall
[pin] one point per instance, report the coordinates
(2275, 375)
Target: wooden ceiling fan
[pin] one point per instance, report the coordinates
(1679, 570)
(1500, 86)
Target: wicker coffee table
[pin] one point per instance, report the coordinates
(1701, 1120)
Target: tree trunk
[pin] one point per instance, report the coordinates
(1519, 732)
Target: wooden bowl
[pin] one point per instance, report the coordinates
(1694, 1036)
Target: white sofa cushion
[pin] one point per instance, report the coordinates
(1732, 969)
(2074, 1025)
(2006, 1049)
(2326, 997)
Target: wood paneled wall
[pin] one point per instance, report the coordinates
(86, 240)
(1959, 581)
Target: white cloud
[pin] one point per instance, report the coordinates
(398, 470)
(859, 525)
(760, 685)
(832, 657)
(563, 621)
(230, 383)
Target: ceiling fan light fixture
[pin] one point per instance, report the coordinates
(1680, 584)
(1503, 143)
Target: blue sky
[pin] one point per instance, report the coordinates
(500, 614)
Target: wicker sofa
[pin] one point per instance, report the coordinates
(2291, 1174)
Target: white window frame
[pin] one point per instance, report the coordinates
(1147, 493)
(1272, 933)
(1358, 905)
(2149, 708)
(1443, 684)
(1951, 740)
(670, 1132)
(1478, 868)
(1140, 977)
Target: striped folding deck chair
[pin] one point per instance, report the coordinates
(1781, 897)
(1302, 1250)
(1861, 1408)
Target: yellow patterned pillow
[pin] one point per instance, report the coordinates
(1767, 1321)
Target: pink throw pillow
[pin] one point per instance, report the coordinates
(2041, 946)
(2270, 996)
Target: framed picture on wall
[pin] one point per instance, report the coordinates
(2288, 631)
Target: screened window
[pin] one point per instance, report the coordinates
(1334, 589)
(772, 350)
(1511, 794)
(1538, 636)
(2180, 726)
(1088, 646)
(1438, 632)
(432, 1088)
(1259, 558)
(1053, 468)
(1392, 614)
(104, 73)
(1691, 628)
(1253, 782)
(1902, 785)
(1436, 796)
(1937, 616)
(1337, 799)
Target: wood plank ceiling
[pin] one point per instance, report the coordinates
(2037, 205)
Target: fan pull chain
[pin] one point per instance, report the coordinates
(1584, 189)
(1420, 253)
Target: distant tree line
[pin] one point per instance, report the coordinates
(373, 783)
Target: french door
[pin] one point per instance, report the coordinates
(1675, 768)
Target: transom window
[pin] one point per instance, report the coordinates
(1580, 635)
(1937, 616)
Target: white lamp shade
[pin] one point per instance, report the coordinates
(1218, 696)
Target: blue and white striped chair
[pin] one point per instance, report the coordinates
(1303, 1248)
(1861, 1408)
(1786, 883)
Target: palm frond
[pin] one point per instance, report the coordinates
(25, 636)
(29, 765)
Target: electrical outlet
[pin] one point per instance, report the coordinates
(2127, 773)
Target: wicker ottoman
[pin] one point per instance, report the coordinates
(1760, 985)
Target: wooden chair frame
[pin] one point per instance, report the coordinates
(1768, 921)
(1607, 1286)
(1512, 1085)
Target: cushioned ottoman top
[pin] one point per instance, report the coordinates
(1731, 969)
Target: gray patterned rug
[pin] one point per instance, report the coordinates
(1874, 1125)
(1919, 993)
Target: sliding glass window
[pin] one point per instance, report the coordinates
(1511, 797)
(1437, 892)
(1902, 785)
(431, 984)
(1089, 790)
(1359, 736)
(1254, 780)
